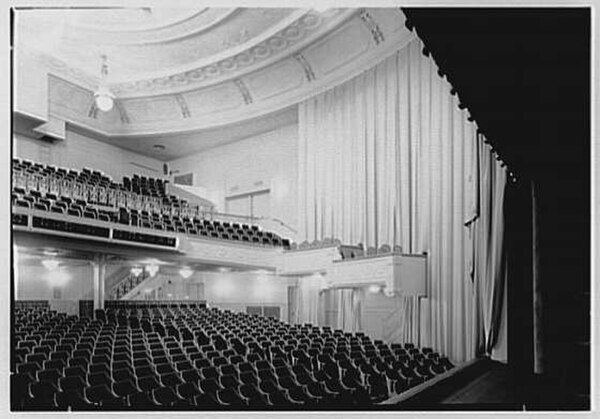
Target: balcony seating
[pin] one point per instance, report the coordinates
(142, 203)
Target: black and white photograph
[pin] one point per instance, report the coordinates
(299, 208)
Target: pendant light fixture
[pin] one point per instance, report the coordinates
(103, 96)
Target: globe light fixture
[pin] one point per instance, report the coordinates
(104, 99)
(50, 264)
(152, 269)
(103, 96)
(136, 271)
(374, 289)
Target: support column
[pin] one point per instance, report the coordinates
(99, 275)
(538, 301)
(101, 282)
(16, 276)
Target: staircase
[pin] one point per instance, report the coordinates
(123, 287)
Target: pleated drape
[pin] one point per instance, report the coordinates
(489, 273)
(349, 308)
(389, 158)
(308, 307)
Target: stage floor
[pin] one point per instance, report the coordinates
(494, 388)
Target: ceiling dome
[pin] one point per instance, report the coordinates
(175, 71)
(146, 43)
(131, 20)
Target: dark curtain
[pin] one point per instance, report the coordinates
(519, 268)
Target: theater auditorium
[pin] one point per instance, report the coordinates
(299, 209)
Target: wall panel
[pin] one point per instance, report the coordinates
(78, 151)
(270, 158)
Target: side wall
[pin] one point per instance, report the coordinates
(227, 290)
(382, 317)
(78, 151)
(62, 287)
(270, 158)
(236, 291)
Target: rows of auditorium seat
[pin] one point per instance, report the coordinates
(20, 305)
(60, 204)
(166, 221)
(202, 227)
(98, 189)
(148, 304)
(190, 226)
(194, 358)
(138, 184)
(145, 186)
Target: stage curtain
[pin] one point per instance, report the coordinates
(389, 158)
(349, 306)
(307, 306)
(310, 303)
(489, 261)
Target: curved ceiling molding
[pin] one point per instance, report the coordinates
(372, 26)
(306, 57)
(130, 20)
(308, 71)
(241, 49)
(189, 24)
(231, 33)
(301, 30)
(61, 69)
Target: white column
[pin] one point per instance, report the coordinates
(99, 274)
(16, 276)
(96, 282)
(101, 281)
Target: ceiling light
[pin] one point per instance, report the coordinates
(374, 289)
(103, 96)
(152, 269)
(50, 264)
(185, 272)
(158, 146)
(136, 271)
(57, 279)
(104, 99)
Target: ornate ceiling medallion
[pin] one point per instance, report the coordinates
(310, 21)
(196, 75)
(161, 81)
(277, 42)
(212, 70)
(244, 59)
(261, 51)
(229, 65)
(293, 33)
